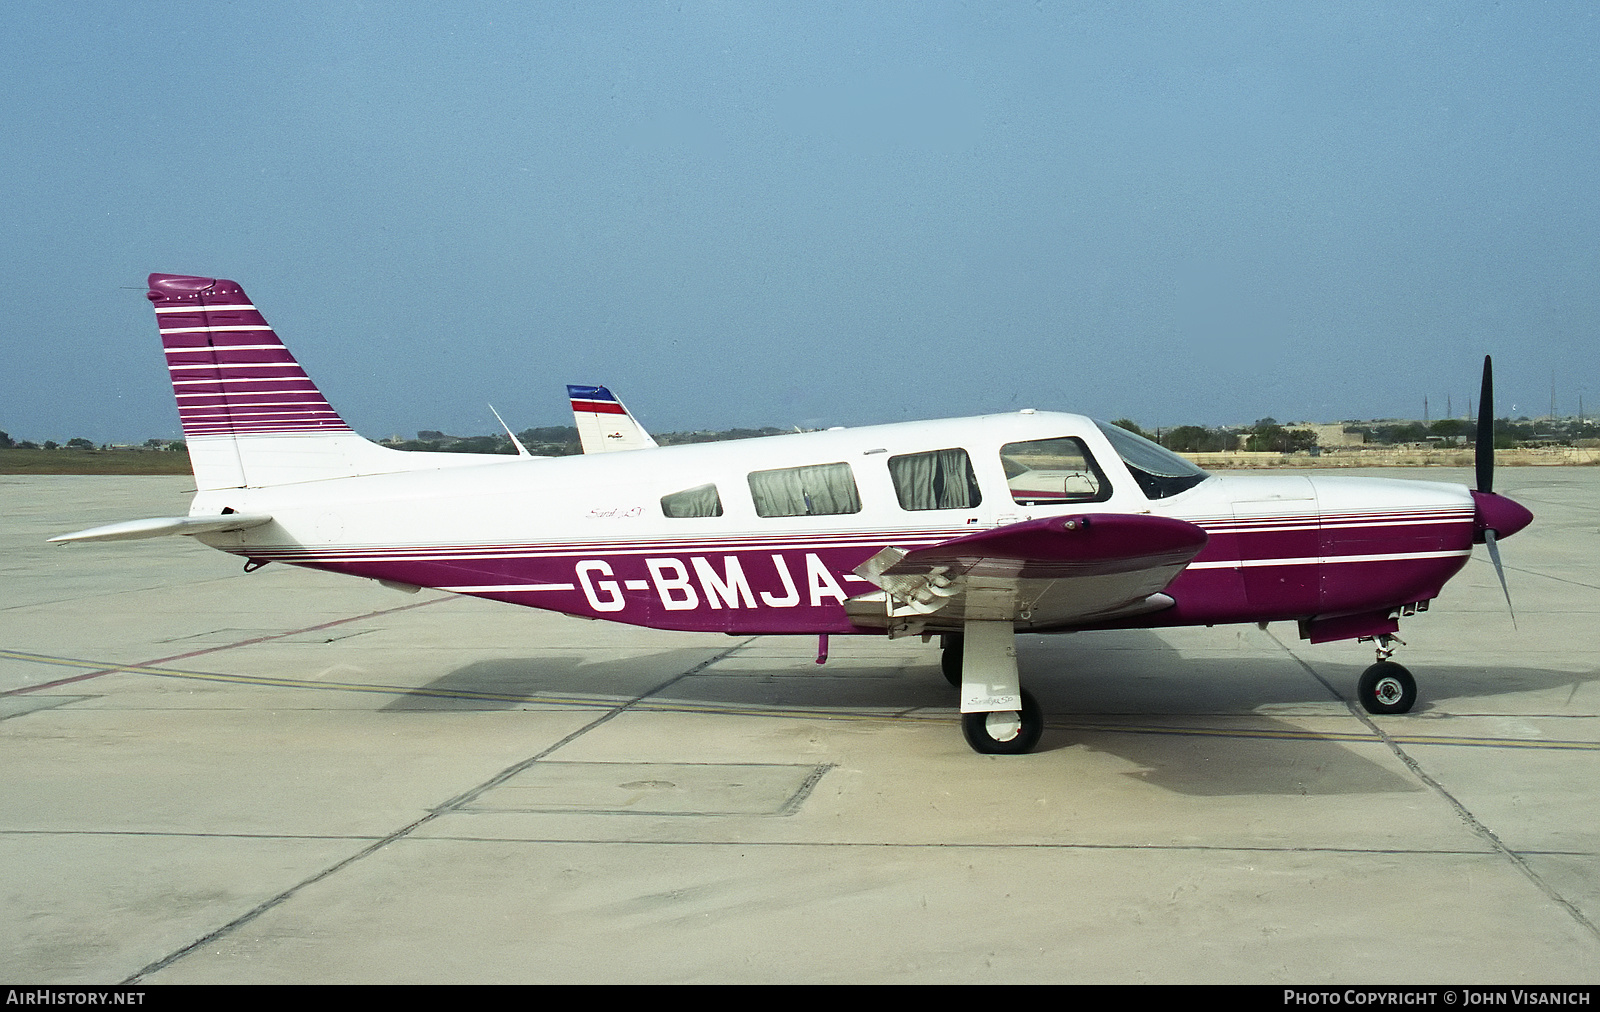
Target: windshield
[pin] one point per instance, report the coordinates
(1159, 471)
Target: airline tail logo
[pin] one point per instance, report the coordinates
(597, 400)
(603, 423)
(230, 373)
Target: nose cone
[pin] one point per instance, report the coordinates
(1499, 514)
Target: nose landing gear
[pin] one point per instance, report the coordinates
(1387, 687)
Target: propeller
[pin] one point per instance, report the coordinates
(1496, 515)
(1484, 457)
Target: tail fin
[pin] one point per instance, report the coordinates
(603, 423)
(251, 416)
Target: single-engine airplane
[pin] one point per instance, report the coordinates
(969, 528)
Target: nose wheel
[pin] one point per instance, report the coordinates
(1387, 687)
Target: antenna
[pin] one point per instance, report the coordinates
(522, 451)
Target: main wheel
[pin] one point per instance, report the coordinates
(1387, 687)
(1005, 732)
(950, 658)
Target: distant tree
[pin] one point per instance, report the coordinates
(549, 434)
(5, 441)
(1402, 432)
(1267, 436)
(1450, 427)
(177, 446)
(51, 444)
(1192, 439)
(1132, 426)
(79, 443)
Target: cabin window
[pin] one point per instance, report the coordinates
(938, 480)
(700, 501)
(817, 490)
(1158, 471)
(1043, 472)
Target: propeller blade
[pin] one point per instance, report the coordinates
(1484, 450)
(1494, 556)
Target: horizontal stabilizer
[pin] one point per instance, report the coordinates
(132, 530)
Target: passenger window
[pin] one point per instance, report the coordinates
(1042, 472)
(939, 480)
(700, 501)
(817, 490)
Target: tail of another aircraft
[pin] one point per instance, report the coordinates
(251, 416)
(603, 423)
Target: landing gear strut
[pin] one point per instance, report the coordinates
(1387, 687)
(997, 717)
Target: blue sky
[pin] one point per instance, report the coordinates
(754, 214)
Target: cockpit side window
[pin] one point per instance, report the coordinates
(700, 501)
(1043, 472)
(1159, 472)
(938, 480)
(817, 490)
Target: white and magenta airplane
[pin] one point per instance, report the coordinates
(969, 528)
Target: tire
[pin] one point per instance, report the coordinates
(950, 659)
(1019, 737)
(1387, 687)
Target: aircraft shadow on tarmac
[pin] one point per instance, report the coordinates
(1191, 724)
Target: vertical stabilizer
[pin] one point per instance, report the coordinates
(603, 423)
(251, 416)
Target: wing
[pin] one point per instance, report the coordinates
(1041, 574)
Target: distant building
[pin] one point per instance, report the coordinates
(1330, 435)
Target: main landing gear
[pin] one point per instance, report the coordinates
(1387, 687)
(997, 716)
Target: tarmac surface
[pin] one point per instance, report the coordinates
(296, 777)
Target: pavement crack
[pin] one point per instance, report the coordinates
(1462, 812)
(448, 807)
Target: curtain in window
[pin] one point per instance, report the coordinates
(939, 480)
(700, 501)
(818, 490)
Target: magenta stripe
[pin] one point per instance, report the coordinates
(196, 317)
(198, 356)
(242, 387)
(175, 343)
(260, 417)
(244, 398)
(274, 370)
